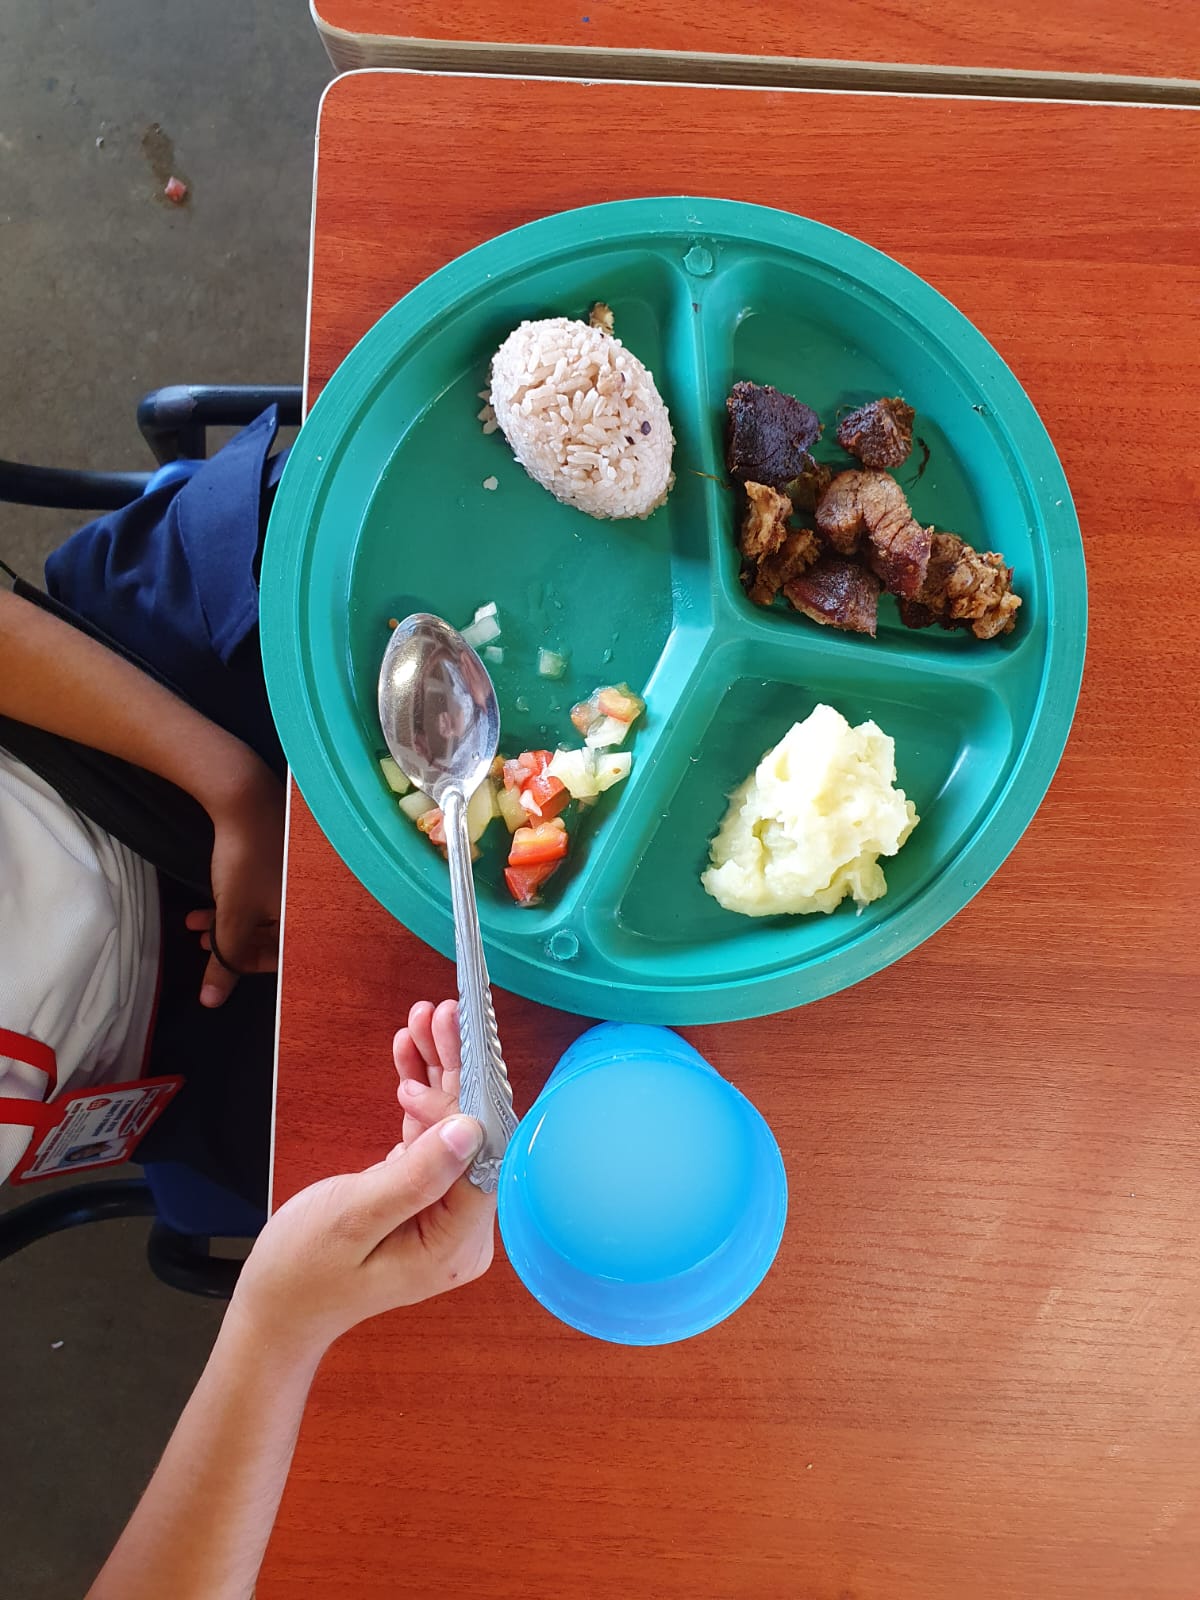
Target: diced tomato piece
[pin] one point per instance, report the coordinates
(546, 842)
(619, 702)
(529, 764)
(535, 761)
(614, 700)
(549, 795)
(433, 824)
(524, 882)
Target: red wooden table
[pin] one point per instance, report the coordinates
(974, 1372)
(1147, 38)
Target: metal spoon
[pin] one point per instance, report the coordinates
(441, 723)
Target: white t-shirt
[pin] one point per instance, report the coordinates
(79, 946)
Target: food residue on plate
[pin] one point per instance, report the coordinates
(866, 539)
(809, 824)
(582, 415)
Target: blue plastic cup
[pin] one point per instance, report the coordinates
(643, 1198)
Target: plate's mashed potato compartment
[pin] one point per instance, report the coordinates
(809, 824)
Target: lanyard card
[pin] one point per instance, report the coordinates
(87, 1128)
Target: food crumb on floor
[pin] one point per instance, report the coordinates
(57, 1344)
(491, 483)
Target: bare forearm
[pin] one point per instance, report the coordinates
(202, 1526)
(56, 678)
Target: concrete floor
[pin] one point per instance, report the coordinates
(108, 291)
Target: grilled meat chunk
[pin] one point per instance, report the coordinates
(879, 434)
(764, 526)
(796, 554)
(769, 435)
(838, 593)
(964, 589)
(872, 503)
(774, 553)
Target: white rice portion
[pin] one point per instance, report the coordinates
(583, 417)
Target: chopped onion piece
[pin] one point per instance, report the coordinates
(489, 610)
(481, 632)
(551, 664)
(607, 733)
(494, 654)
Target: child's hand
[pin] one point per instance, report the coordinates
(354, 1246)
(428, 1058)
(247, 877)
(408, 1228)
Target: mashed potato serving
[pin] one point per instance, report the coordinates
(809, 824)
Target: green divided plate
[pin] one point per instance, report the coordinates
(383, 510)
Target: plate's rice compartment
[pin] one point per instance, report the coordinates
(396, 500)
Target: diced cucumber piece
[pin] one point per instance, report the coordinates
(510, 807)
(416, 804)
(393, 777)
(588, 773)
(575, 768)
(481, 808)
(612, 767)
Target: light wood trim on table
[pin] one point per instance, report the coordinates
(974, 1372)
(1113, 50)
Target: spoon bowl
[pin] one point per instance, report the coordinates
(437, 707)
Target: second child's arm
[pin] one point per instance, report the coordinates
(56, 678)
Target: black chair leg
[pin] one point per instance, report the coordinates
(71, 1208)
(182, 1261)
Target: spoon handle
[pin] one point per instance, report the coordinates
(484, 1092)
